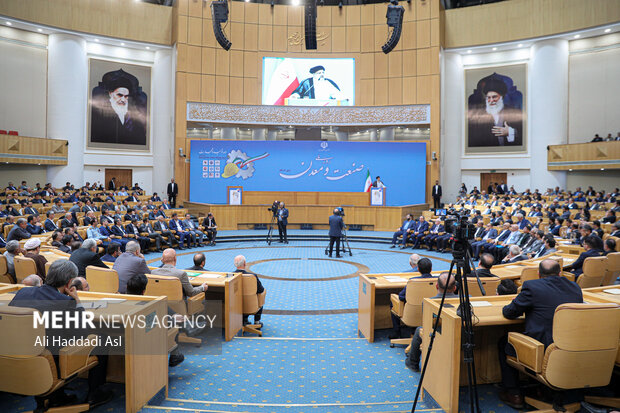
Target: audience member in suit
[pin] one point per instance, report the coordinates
(507, 287)
(33, 249)
(119, 234)
(446, 284)
(402, 231)
(90, 218)
(616, 230)
(210, 227)
(197, 235)
(610, 217)
(68, 221)
(34, 226)
(597, 228)
(169, 261)
(92, 232)
(86, 255)
(500, 250)
(538, 300)
(147, 230)
(419, 232)
(336, 224)
(108, 205)
(425, 266)
(30, 210)
(609, 247)
(434, 232)
(185, 237)
(593, 246)
(490, 245)
(164, 230)
(240, 266)
(112, 184)
(19, 232)
(106, 218)
(112, 252)
(57, 290)
(128, 264)
(155, 197)
(2, 242)
(132, 229)
(172, 191)
(89, 206)
(485, 265)
(514, 255)
(489, 234)
(9, 210)
(436, 193)
(199, 262)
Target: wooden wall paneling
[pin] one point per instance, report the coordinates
(408, 36)
(365, 65)
(395, 91)
(20, 150)
(251, 13)
(338, 39)
(251, 87)
(208, 60)
(294, 32)
(236, 63)
(222, 89)
(307, 198)
(381, 35)
(294, 16)
(194, 59)
(367, 15)
(435, 9)
(423, 34)
(236, 35)
(435, 32)
(183, 7)
(367, 38)
(323, 18)
(194, 34)
(409, 62)
(339, 16)
(395, 64)
(410, 90)
(265, 14)
(181, 57)
(423, 62)
(381, 65)
(434, 60)
(279, 15)
(434, 144)
(249, 64)
(353, 16)
(409, 15)
(251, 37)
(353, 39)
(195, 8)
(379, 12)
(193, 87)
(222, 63)
(236, 11)
(381, 92)
(207, 88)
(236, 90)
(265, 38)
(279, 38)
(182, 29)
(423, 89)
(325, 45)
(208, 38)
(367, 93)
(423, 9)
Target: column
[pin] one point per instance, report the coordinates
(67, 104)
(386, 134)
(548, 123)
(162, 121)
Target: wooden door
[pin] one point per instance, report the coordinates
(123, 177)
(487, 178)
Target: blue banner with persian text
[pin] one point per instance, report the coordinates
(307, 166)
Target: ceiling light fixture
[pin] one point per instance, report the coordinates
(469, 51)
(97, 40)
(9, 23)
(520, 45)
(577, 36)
(148, 48)
(40, 30)
(495, 48)
(607, 30)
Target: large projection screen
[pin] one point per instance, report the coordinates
(298, 166)
(308, 82)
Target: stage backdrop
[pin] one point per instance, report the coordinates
(307, 166)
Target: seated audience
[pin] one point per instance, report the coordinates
(408, 224)
(112, 252)
(593, 246)
(610, 246)
(485, 265)
(32, 280)
(80, 284)
(514, 255)
(86, 255)
(538, 300)
(199, 262)
(507, 287)
(240, 266)
(128, 264)
(12, 249)
(425, 266)
(19, 232)
(33, 249)
(169, 261)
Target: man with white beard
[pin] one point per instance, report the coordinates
(318, 87)
(495, 123)
(118, 110)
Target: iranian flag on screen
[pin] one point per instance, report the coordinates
(283, 83)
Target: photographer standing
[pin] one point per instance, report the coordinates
(336, 224)
(282, 223)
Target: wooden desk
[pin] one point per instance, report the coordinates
(146, 352)
(598, 294)
(444, 374)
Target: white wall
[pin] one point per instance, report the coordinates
(594, 88)
(17, 173)
(607, 180)
(23, 82)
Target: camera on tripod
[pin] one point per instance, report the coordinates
(460, 227)
(340, 211)
(274, 208)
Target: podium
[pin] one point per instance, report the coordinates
(377, 196)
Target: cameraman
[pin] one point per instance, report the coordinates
(336, 224)
(282, 223)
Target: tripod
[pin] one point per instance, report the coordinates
(270, 231)
(344, 244)
(462, 259)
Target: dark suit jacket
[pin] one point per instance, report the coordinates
(577, 266)
(82, 258)
(171, 191)
(436, 191)
(336, 224)
(483, 272)
(65, 223)
(538, 300)
(17, 233)
(402, 295)
(163, 227)
(259, 286)
(196, 268)
(284, 216)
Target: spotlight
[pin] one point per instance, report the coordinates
(273, 3)
(219, 14)
(9, 23)
(340, 4)
(394, 17)
(40, 30)
(607, 30)
(577, 36)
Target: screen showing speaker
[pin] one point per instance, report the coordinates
(308, 82)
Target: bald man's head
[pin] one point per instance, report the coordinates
(442, 280)
(169, 256)
(548, 268)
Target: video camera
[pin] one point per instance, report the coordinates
(274, 208)
(459, 226)
(339, 211)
